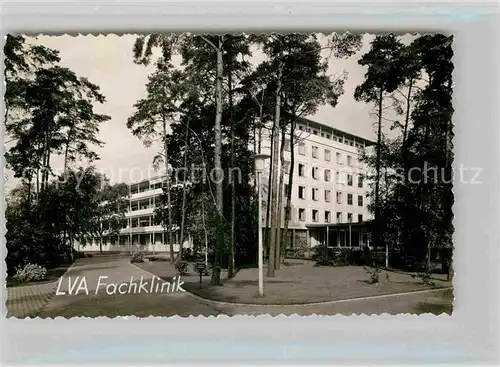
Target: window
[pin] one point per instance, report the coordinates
(349, 217)
(328, 136)
(360, 200)
(315, 173)
(339, 198)
(302, 214)
(302, 170)
(287, 145)
(328, 196)
(327, 216)
(315, 194)
(301, 127)
(315, 215)
(302, 192)
(349, 199)
(339, 158)
(360, 218)
(327, 175)
(315, 152)
(349, 180)
(360, 181)
(339, 217)
(349, 161)
(315, 132)
(302, 148)
(322, 135)
(327, 155)
(334, 138)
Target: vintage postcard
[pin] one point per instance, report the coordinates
(220, 174)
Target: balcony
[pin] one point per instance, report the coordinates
(146, 229)
(140, 212)
(145, 194)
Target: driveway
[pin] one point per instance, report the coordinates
(90, 298)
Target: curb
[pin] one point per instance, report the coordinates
(224, 303)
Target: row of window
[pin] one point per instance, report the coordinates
(327, 216)
(301, 194)
(331, 136)
(327, 153)
(327, 175)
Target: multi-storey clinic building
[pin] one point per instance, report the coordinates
(329, 190)
(139, 230)
(329, 195)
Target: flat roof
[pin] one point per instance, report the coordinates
(337, 131)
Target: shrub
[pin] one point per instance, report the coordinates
(157, 258)
(374, 273)
(188, 255)
(137, 258)
(181, 267)
(324, 256)
(30, 273)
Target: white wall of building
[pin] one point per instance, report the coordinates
(318, 147)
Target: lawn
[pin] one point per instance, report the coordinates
(297, 282)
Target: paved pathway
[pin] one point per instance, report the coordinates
(27, 301)
(141, 304)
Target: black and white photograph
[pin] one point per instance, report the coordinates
(213, 174)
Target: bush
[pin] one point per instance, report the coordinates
(30, 273)
(181, 267)
(157, 258)
(374, 273)
(324, 256)
(327, 256)
(137, 258)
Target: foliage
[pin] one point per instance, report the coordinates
(49, 111)
(137, 257)
(30, 272)
(412, 209)
(181, 267)
(335, 256)
(374, 273)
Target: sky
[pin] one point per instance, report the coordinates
(108, 62)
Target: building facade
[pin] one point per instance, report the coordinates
(329, 195)
(329, 186)
(140, 230)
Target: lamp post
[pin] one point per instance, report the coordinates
(259, 168)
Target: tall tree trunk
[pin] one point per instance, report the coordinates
(280, 198)
(184, 193)
(167, 184)
(288, 206)
(404, 156)
(377, 168)
(230, 266)
(204, 228)
(70, 133)
(268, 206)
(215, 280)
(274, 184)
